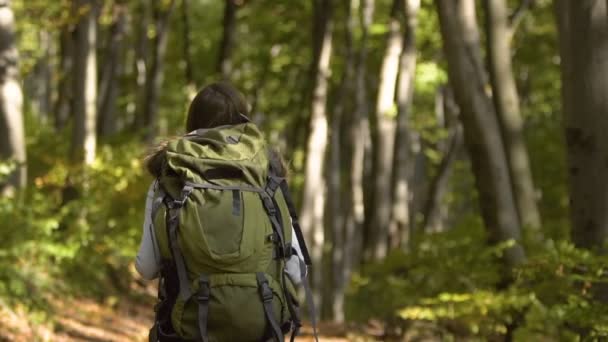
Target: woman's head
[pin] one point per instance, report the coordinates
(215, 105)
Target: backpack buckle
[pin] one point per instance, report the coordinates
(268, 205)
(264, 289)
(266, 292)
(203, 291)
(186, 191)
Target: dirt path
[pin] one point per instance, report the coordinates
(113, 321)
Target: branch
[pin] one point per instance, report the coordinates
(518, 14)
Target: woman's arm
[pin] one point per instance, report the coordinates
(148, 260)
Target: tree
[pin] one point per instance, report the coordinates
(400, 215)
(12, 135)
(84, 136)
(584, 63)
(112, 70)
(359, 140)
(481, 131)
(499, 32)
(154, 76)
(313, 201)
(385, 136)
(224, 65)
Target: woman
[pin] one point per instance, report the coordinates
(218, 104)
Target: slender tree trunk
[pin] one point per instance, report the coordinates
(38, 84)
(189, 71)
(506, 102)
(12, 134)
(584, 48)
(84, 138)
(141, 62)
(224, 65)
(63, 106)
(155, 74)
(313, 202)
(112, 69)
(482, 134)
(434, 210)
(400, 225)
(336, 194)
(359, 140)
(385, 136)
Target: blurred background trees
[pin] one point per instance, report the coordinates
(449, 156)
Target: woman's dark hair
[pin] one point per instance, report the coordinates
(215, 105)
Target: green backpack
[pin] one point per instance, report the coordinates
(223, 221)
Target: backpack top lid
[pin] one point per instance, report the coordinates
(224, 155)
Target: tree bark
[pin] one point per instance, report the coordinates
(359, 137)
(189, 71)
(224, 65)
(434, 210)
(337, 198)
(38, 84)
(112, 69)
(12, 134)
(400, 225)
(482, 134)
(141, 62)
(313, 202)
(63, 105)
(84, 136)
(385, 136)
(584, 50)
(506, 102)
(155, 74)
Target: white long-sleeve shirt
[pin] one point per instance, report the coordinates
(148, 259)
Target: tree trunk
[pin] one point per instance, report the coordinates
(38, 84)
(189, 71)
(224, 65)
(506, 102)
(154, 77)
(385, 137)
(112, 69)
(141, 63)
(359, 136)
(584, 48)
(12, 134)
(434, 210)
(399, 226)
(336, 196)
(64, 104)
(84, 138)
(482, 134)
(313, 202)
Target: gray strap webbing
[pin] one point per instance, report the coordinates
(294, 222)
(309, 299)
(292, 307)
(204, 293)
(272, 212)
(180, 265)
(266, 295)
(236, 202)
(222, 187)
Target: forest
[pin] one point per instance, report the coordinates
(448, 158)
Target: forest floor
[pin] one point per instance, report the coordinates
(114, 320)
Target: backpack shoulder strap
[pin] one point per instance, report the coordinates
(294, 220)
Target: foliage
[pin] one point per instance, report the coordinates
(48, 247)
(455, 283)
